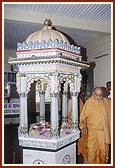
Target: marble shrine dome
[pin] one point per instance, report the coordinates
(46, 39)
(46, 33)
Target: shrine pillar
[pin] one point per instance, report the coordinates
(42, 107)
(54, 94)
(75, 89)
(64, 104)
(21, 88)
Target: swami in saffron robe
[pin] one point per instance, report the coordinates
(98, 117)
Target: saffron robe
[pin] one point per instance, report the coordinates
(98, 117)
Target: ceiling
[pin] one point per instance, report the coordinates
(81, 22)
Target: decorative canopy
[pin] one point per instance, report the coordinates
(46, 33)
(47, 58)
(44, 41)
(47, 46)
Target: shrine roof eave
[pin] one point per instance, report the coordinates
(45, 60)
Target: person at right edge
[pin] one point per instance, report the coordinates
(95, 121)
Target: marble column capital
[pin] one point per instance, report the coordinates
(64, 93)
(24, 94)
(54, 94)
(41, 92)
(22, 75)
(75, 94)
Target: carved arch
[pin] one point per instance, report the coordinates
(41, 80)
(68, 80)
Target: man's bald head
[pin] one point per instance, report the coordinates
(98, 93)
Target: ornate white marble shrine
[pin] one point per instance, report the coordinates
(47, 58)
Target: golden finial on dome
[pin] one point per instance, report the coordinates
(47, 22)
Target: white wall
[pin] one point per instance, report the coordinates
(103, 68)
